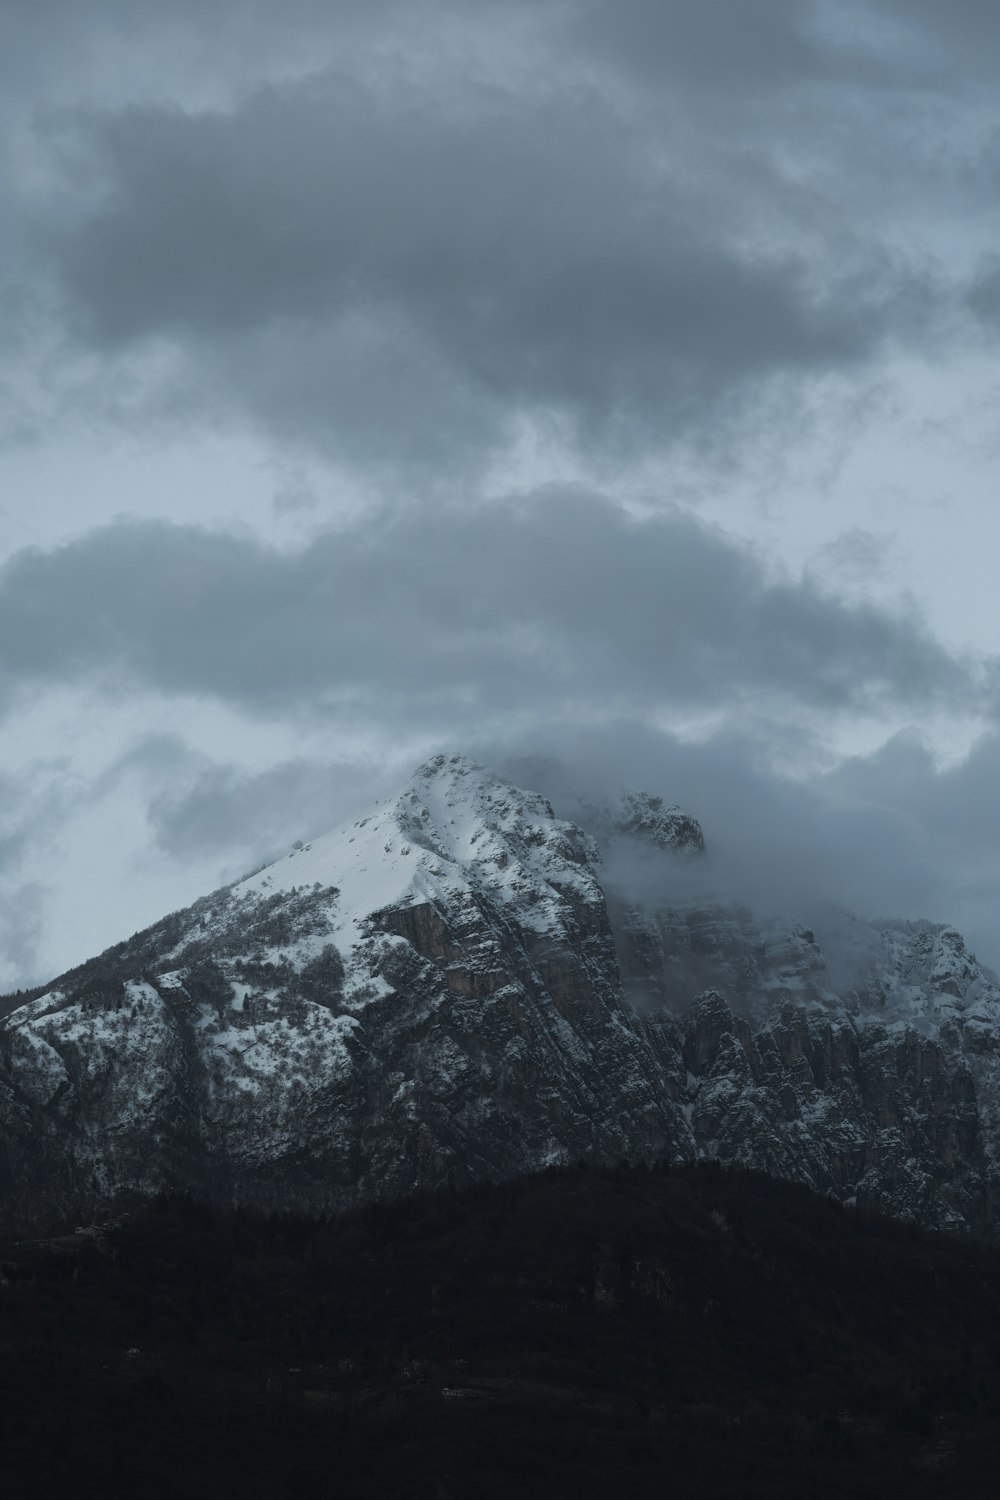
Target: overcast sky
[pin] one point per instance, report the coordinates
(609, 385)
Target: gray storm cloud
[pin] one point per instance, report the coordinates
(375, 267)
(752, 46)
(436, 618)
(219, 807)
(388, 240)
(890, 835)
(635, 223)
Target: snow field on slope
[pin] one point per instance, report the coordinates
(455, 831)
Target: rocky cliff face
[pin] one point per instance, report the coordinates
(881, 1090)
(434, 993)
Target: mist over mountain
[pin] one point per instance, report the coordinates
(884, 837)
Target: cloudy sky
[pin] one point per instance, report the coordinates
(608, 383)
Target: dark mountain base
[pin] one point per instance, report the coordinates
(696, 1333)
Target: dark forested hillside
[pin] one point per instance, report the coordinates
(699, 1333)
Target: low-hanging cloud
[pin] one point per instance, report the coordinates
(888, 835)
(560, 603)
(227, 811)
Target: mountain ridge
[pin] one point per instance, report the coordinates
(443, 991)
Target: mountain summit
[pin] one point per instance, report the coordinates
(435, 993)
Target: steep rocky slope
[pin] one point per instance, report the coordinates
(882, 1088)
(429, 994)
(434, 994)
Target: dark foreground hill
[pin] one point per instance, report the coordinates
(697, 1333)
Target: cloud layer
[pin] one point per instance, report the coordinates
(885, 835)
(398, 265)
(561, 603)
(425, 255)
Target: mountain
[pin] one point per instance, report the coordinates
(445, 992)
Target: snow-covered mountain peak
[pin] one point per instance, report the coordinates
(640, 822)
(454, 830)
(661, 824)
(434, 991)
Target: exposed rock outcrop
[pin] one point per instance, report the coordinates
(436, 993)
